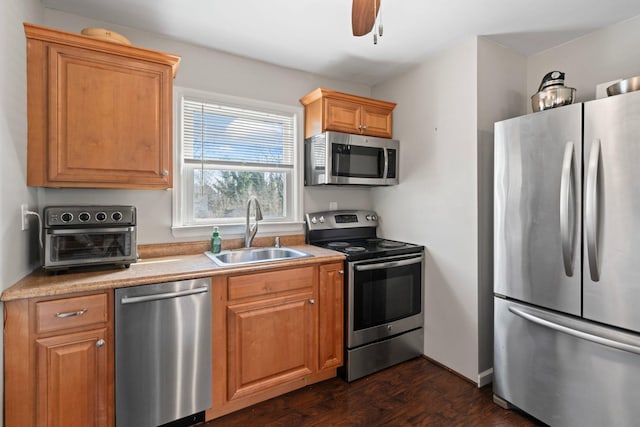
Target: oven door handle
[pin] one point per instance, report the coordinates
(89, 230)
(390, 264)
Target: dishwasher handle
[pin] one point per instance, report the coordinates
(164, 295)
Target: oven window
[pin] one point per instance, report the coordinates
(358, 162)
(90, 246)
(385, 295)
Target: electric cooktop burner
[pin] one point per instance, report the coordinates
(390, 244)
(354, 249)
(337, 244)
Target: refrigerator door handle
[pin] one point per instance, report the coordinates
(556, 325)
(568, 209)
(591, 210)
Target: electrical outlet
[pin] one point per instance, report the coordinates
(24, 222)
(333, 206)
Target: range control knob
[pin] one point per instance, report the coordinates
(314, 220)
(321, 219)
(369, 218)
(374, 217)
(101, 216)
(66, 217)
(84, 216)
(116, 216)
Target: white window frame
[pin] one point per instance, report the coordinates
(233, 228)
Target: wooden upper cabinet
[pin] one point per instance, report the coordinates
(99, 112)
(327, 110)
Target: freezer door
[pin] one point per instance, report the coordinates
(612, 211)
(563, 370)
(537, 199)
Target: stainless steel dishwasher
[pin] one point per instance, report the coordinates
(163, 353)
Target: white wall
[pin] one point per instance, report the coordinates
(435, 202)
(501, 95)
(444, 120)
(214, 71)
(17, 256)
(602, 56)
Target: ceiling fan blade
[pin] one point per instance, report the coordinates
(363, 16)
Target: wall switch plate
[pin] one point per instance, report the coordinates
(24, 223)
(333, 206)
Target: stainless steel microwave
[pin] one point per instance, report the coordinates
(342, 159)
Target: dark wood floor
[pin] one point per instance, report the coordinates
(414, 393)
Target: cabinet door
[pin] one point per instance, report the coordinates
(270, 342)
(376, 121)
(72, 380)
(330, 316)
(342, 116)
(109, 120)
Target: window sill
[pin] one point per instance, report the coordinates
(234, 231)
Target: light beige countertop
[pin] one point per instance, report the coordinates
(150, 270)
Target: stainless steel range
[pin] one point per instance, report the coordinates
(383, 290)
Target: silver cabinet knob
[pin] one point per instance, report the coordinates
(164, 173)
(100, 343)
(312, 301)
(341, 272)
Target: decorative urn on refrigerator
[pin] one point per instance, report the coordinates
(566, 269)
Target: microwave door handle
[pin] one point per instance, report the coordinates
(386, 163)
(390, 264)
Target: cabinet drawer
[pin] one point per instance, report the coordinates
(252, 285)
(69, 313)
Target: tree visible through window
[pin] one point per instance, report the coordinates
(230, 153)
(224, 194)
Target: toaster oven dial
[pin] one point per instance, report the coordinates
(116, 216)
(84, 216)
(66, 217)
(101, 217)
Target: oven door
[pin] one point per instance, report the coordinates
(74, 247)
(385, 298)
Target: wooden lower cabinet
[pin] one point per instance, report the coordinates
(331, 316)
(72, 379)
(58, 364)
(274, 332)
(270, 342)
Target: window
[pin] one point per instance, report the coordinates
(231, 149)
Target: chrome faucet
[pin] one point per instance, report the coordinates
(250, 232)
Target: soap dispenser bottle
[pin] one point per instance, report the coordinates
(216, 241)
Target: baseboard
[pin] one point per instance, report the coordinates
(485, 377)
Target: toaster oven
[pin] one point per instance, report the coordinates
(78, 236)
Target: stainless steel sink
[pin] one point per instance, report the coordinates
(254, 256)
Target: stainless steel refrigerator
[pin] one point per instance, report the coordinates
(567, 263)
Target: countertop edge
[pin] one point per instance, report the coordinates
(148, 271)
